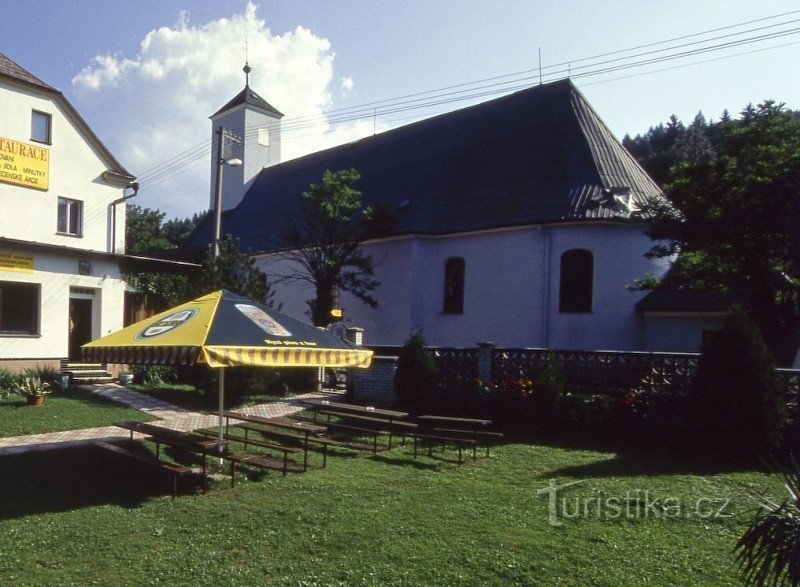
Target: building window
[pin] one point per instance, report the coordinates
(70, 217)
(263, 137)
(454, 286)
(577, 278)
(19, 308)
(40, 127)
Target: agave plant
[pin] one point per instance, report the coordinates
(31, 386)
(769, 551)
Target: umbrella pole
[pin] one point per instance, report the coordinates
(221, 393)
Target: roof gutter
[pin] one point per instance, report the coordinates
(135, 187)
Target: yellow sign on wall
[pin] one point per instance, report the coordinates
(24, 164)
(15, 262)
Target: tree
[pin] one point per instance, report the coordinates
(737, 398)
(145, 236)
(734, 220)
(143, 231)
(177, 229)
(323, 241)
(235, 271)
(417, 377)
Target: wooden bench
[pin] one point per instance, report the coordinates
(174, 470)
(247, 441)
(260, 461)
(474, 434)
(356, 429)
(322, 441)
(444, 441)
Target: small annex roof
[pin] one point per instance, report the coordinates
(12, 71)
(671, 299)
(537, 156)
(251, 98)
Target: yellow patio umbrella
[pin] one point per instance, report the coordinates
(222, 329)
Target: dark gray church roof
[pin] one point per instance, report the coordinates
(541, 155)
(248, 96)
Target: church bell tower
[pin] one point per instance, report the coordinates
(257, 125)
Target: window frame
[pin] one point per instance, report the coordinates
(571, 301)
(49, 118)
(37, 309)
(454, 305)
(70, 202)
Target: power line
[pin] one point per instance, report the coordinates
(357, 112)
(441, 96)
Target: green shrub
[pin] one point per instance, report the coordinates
(154, 375)
(737, 397)
(767, 553)
(549, 384)
(31, 386)
(43, 373)
(8, 381)
(417, 378)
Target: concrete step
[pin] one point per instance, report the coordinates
(84, 367)
(83, 379)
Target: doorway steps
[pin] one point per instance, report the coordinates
(84, 373)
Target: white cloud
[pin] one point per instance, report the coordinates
(155, 105)
(347, 86)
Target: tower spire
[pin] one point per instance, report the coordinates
(246, 69)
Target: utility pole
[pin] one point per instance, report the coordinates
(222, 136)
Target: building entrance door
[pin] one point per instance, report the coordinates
(80, 326)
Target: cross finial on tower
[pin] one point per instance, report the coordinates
(247, 69)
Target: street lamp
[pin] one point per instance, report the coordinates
(221, 162)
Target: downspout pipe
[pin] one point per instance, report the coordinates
(135, 187)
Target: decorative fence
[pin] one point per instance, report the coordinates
(606, 372)
(602, 372)
(462, 362)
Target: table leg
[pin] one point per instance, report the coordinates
(305, 454)
(324, 455)
(205, 472)
(415, 447)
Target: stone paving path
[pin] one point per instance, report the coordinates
(168, 415)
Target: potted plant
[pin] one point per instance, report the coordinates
(33, 388)
(125, 378)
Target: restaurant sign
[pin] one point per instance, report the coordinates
(14, 262)
(24, 164)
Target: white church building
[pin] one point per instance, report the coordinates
(517, 223)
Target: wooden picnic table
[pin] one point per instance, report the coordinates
(307, 429)
(356, 409)
(434, 420)
(461, 427)
(389, 423)
(176, 439)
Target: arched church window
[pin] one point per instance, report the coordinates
(576, 281)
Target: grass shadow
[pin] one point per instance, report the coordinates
(74, 478)
(405, 461)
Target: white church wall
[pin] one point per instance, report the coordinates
(511, 276)
(618, 251)
(677, 332)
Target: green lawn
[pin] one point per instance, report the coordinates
(72, 518)
(62, 410)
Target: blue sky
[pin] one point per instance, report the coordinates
(147, 74)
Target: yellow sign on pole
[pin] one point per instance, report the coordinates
(15, 262)
(24, 164)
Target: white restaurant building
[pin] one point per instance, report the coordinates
(62, 226)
